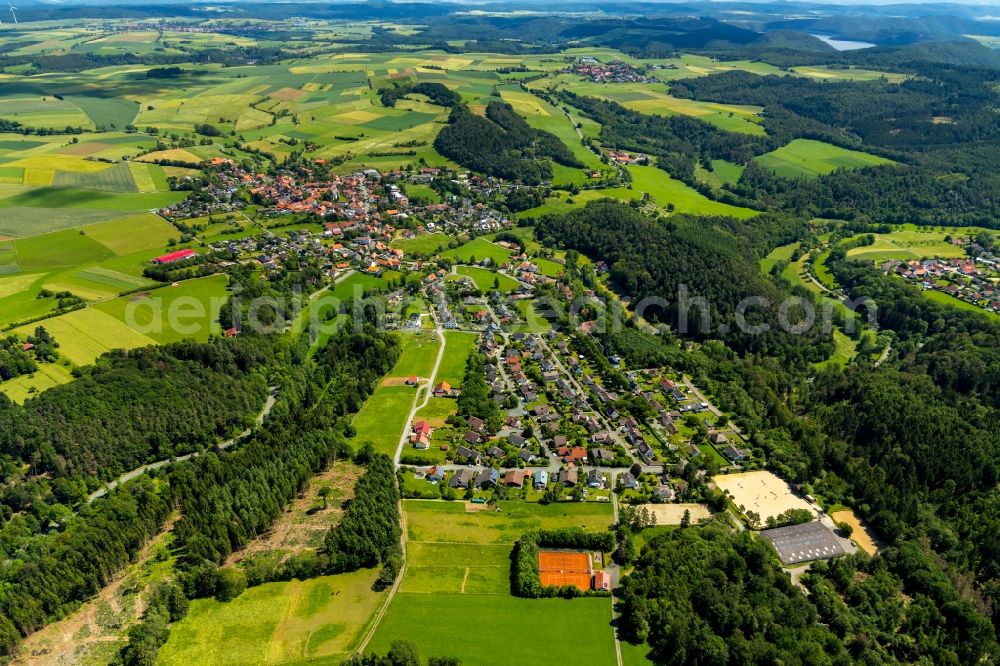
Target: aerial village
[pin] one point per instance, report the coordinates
(565, 421)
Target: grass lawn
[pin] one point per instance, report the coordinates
(665, 190)
(437, 411)
(635, 655)
(419, 352)
(457, 568)
(805, 158)
(478, 249)
(318, 620)
(533, 321)
(457, 350)
(512, 630)
(428, 244)
(485, 278)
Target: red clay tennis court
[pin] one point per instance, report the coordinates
(564, 568)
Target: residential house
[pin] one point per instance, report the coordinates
(468, 455)
(540, 479)
(595, 479)
(461, 479)
(628, 482)
(488, 478)
(568, 477)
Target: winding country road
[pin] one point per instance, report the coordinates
(139, 471)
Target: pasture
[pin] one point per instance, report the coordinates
(805, 158)
(322, 619)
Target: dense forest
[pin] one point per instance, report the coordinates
(738, 606)
(701, 270)
(137, 407)
(502, 144)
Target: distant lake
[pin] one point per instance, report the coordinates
(843, 44)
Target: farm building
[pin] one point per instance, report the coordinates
(803, 543)
(179, 255)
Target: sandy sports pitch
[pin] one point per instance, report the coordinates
(561, 567)
(672, 514)
(860, 535)
(762, 492)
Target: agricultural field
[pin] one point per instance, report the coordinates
(806, 158)
(459, 568)
(322, 619)
(655, 99)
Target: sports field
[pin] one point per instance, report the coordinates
(558, 568)
(314, 621)
(763, 492)
(805, 158)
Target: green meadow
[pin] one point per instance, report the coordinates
(478, 249)
(321, 620)
(487, 280)
(805, 158)
(665, 191)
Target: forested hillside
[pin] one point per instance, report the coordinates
(502, 144)
(701, 258)
(225, 498)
